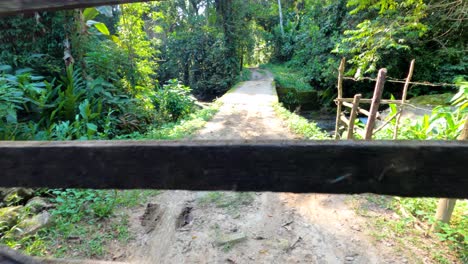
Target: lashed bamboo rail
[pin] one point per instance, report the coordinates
(387, 122)
(344, 119)
(360, 110)
(352, 117)
(368, 101)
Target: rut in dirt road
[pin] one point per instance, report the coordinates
(225, 227)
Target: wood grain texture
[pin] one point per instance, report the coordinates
(436, 169)
(11, 7)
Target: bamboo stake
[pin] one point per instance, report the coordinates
(403, 98)
(340, 95)
(354, 111)
(386, 122)
(446, 205)
(375, 103)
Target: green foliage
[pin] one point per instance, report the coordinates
(460, 99)
(82, 215)
(393, 28)
(245, 75)
(288, 77)
(180, 129)
(444, 123)
(173, 101)
(73, 204)
(300, 125)
(413, 211)
(371, 35)
(141, 53)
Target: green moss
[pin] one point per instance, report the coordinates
(9, 216)
(432, 99)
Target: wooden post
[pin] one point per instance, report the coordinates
(354, 112)
(446, 206)
(340, 95)
(444, 213)
(375, 103)
(403, 98)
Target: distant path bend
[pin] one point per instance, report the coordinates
(247, 113)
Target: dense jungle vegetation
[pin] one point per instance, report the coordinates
(140, 71)
(127, 68)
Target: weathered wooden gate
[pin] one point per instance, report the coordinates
(416, 168)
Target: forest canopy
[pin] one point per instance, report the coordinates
(113, 70)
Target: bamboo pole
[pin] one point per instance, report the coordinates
(386, 122)
(403, 98)
(360, 110)
(344, 119)
(354, 112)
(446, 205)
(340, 95)
(375, 103)
(368, 101)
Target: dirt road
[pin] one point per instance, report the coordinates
(223, 227)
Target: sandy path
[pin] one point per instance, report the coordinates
(275, 228)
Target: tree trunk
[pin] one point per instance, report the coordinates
(446, 206)
(281, 18)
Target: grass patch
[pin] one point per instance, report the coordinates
(299, 124)
(187, 127)
(286, 77)
(84, 223)
(433, 99)
(406, 221)
(231, 201)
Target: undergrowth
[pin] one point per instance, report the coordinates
(288, 77)
(83, 223)
(180, 129)
(409, 223)
(245, 75)
(299, 124)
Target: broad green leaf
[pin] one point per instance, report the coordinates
(90, 13)
(91, 126)
(102, 28)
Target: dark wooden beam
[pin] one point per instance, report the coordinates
(436, 169)
(12, 7)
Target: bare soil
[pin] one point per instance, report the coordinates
(198, 227)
